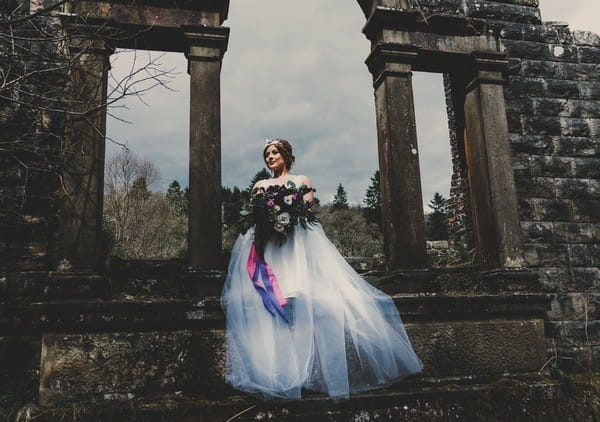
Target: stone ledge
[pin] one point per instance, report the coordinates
(175, 313)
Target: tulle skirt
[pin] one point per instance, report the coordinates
(343, 336)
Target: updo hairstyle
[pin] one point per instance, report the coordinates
(284, 148)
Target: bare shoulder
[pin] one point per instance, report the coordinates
(304, 180)
(260, 184)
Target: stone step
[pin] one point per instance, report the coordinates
(49, 285)
(151, 313)
(517, 398)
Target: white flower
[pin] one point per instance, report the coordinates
(278, 227)
(277, 208)
(288, 199)
(283, 218)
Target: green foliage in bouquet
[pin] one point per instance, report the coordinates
(275, 211)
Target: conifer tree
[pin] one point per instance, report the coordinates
(437, 221)
(340, 200)
(372, 201)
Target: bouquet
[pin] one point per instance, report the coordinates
(275, 211)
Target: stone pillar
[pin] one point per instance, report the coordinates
(82, 182)
(205, 48)
(491, 179)
(401, 197)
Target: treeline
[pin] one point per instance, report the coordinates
(140, 223)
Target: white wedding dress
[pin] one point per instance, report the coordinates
(343, 336)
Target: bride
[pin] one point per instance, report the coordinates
(333, 332)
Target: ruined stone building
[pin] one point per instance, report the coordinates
(517, 336)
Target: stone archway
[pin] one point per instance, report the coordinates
(193, 28)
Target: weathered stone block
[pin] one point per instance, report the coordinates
(570, 358)
(519, 87)
(502, 11)
(511, 31)
(545, 255)
(538, 187)
(594, 255)
(526, 208)
(553, 279)
(478, 347)
(586, 38)
(575, 188)
(539, 125)
(582, 255)
(579, 331)
(585, 278)
(552, 209)
(515, 124)
(557, 33)
(586, 210)
(521, 164)
(589, 91)
(557, 88)
(519, 106)
(550, 166)
(534, 232)
(575, 306)
(541, 51)
(576, 147)
(573, 233)
(100, 366)
(532, 144)
(589, 54)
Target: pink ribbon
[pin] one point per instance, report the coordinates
(269, 288)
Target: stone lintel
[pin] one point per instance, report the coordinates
(436, 53)
(152, 13)
(90, 35)
(387, 18)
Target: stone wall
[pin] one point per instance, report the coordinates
(553, 109)
(30, 142)
(553, 101)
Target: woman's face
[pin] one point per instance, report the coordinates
(274, 160)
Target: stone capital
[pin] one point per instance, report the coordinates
(205, 43)
(391, 60)
(488, 68)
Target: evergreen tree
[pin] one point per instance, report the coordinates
(372, 201)
(340, 200)
(175, 197)
(261, 175)
(437, 221)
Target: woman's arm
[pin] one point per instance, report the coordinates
(310, 196)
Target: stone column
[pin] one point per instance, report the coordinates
(82, 182)
(491, 178)
(401, 197)
(205, 48)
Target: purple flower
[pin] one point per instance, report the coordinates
(270, 202)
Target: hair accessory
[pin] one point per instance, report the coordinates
(269, 142)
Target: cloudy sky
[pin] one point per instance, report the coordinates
(296, 70)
